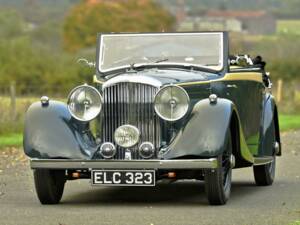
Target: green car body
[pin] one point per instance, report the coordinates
(234, 103)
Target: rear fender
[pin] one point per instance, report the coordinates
(267, 131)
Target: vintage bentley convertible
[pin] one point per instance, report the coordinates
(166, 106)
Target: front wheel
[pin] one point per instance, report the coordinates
(218, 181)
(49, 185)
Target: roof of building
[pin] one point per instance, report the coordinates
(235, 14)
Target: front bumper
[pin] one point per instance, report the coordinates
(210, 163)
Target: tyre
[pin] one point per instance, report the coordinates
(264, 174)
(218, 181)
(49, 185)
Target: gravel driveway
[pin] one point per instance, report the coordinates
(179, 203)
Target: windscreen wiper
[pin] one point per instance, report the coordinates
(133, 66)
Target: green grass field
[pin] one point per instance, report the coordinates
(287, 122)
(295, 223)
(288, 27)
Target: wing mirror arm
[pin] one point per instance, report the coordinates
(87, 63)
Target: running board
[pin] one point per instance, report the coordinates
(263, 160)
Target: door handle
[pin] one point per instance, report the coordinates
(231, 86)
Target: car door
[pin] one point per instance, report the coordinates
(246, 91)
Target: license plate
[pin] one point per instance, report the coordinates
(123, 177)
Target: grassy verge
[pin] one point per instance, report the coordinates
(11, 140)
(295, 223)
(287, 122)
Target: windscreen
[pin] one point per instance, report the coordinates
(198, 49)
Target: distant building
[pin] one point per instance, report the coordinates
(209, 24)
(179, 11)
(251, 22)
(92, 2)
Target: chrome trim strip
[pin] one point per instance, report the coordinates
(132, 79)
(211, 163)
(263, 160)
(255, 69)
(247, 76)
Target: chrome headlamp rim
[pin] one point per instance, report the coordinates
(165, 87)
(72, 91)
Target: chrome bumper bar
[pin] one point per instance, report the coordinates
(211, 163)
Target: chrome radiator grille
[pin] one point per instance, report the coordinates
(130, 103)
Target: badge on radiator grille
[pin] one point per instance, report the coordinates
(128, 155)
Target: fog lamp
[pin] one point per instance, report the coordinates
(107, 150)
(146, 150)
(127, 136)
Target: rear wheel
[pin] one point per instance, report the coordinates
(218, 181)
(49, 185)
(264, 174)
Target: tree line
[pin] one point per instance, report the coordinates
(42, 59)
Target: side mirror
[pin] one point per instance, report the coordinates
(85, 62)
